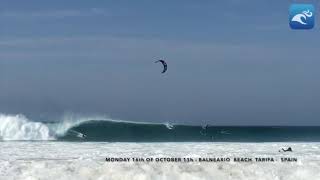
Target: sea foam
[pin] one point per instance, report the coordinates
(18, 127)
(77, 161)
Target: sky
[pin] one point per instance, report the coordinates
(234, 62)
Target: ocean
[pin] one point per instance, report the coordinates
(93, 148)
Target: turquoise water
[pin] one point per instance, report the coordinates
(144, 132)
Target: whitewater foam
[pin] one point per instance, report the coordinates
(19, 127)
(70, 160)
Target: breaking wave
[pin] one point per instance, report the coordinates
(71, 128)
(18, 127)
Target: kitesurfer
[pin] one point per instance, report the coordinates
(204, 129)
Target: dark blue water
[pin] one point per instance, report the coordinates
(136, 132)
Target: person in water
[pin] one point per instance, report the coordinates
(204, 130)
(286, 150)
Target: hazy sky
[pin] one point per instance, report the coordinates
(230, 62)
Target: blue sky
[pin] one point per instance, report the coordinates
(230, 62)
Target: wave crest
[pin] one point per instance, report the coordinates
(18, 127)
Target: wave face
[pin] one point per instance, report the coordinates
(140, 132)
(18, 127)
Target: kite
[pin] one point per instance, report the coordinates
(164, 65)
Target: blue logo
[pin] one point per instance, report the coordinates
(301, 16)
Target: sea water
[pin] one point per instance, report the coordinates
(101, 148)
(84, 129)
(87, 160)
